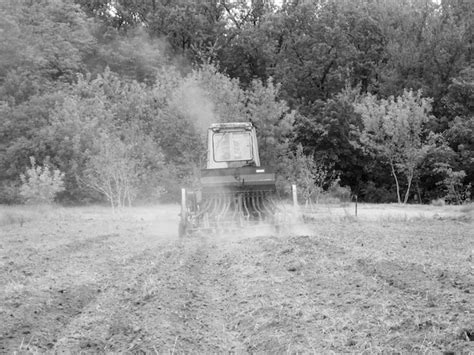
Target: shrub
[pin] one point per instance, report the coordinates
(343, 193)
(311, 178)
(40, 184)
(439, 202)
(375, 194)
(468, 208)
(10, 192)
(455, 191)
(113, 171)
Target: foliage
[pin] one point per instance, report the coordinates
(460, 137)
(301, 171)
(455, 191)
(330, 131)
(341, 193)
(377, 193)
(301, 71)
(40, 184)
(113, 172)
(272, 118)
(429, 176)
(393, 129)
(311, 178)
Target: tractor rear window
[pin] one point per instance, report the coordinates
(232, 146)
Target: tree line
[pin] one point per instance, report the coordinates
(110, 99)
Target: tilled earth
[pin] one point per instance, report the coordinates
(85, 281)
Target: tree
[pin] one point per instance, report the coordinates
(273, 120)
(133, 55)
(47, 41)
(251, 36)
(75, 123)
(393, 128)
(460, 134)
(40, 184)
(192, 30)
(107, 105)
(429, 175)
(330, 132)
(312, 50)
(452, 183)
(113, 171)
(301, 171)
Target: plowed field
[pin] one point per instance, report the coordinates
(87, 280)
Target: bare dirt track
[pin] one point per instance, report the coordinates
(84, 280)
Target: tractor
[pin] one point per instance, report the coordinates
(235, 190)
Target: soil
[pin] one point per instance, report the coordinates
(86, 280)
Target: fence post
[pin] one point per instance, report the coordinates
(295, 195)
(183, 204)
(355, 196)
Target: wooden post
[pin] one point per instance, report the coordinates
(356, 205)
(183, 204)
(183, 220)
(295, 196)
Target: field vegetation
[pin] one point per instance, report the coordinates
(88, 280)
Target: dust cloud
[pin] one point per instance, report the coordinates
(191, 101)
(288, 222)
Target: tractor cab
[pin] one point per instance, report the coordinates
(232, 145)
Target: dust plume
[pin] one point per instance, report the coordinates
(191, 101)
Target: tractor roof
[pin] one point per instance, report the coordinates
(231, 125)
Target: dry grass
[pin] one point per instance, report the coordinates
(395, 279)
(16, 216)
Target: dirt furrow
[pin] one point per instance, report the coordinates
(179, 303)
(131, 286)
(46, 292)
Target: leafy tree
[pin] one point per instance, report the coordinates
(124, 166)
(460, 134)
(46, 41)
(132, 55)
(75, 125)
(429, 176)
(426, 45)
(251, 37)
(190, 29)
(40, 184)
(447, 47)
(330, 131)
(272, 118)
(117, 107)
(393, 128)
(112, 171)
(302, 172)
(455, 191)
(20, 138)
(312, 51)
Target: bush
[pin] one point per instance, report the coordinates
(10, 192)
(439, 202)
(335, 190)
(374, 194)
(455, 191)
(311, 178)
(40, 184)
